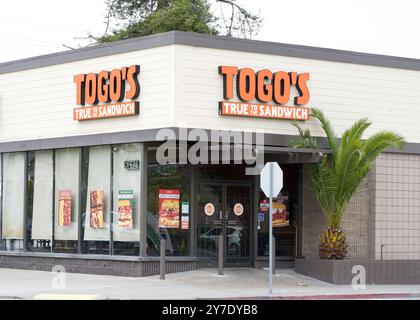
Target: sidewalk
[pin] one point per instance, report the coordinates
(243, 283)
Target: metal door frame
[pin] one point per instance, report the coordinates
(225, 184)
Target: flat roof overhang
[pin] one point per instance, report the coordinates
(273, 143)
(213, 42)
(249, 153)
(294, 155)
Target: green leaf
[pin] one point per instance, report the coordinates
(336, 177)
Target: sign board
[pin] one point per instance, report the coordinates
(209, 209)
(132, 164)
(271, 172)
(238, 209)
(169, 208)
(260, 216)
(97, 209)
(185, 217)
(272, 90)
(125, 208)
(109, 89)
(64, 211)
(185, 207)
(264, 206)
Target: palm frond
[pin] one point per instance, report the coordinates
(356, 130)
(378, 143)
(305, 139)
(324, 184)
(336, 177)
(327, 127)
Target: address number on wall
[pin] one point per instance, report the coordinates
(132, 164)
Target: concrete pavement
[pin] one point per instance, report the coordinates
(241, 283)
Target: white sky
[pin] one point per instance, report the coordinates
(30, 28)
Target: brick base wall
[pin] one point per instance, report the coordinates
(115, 267)
(377, 272)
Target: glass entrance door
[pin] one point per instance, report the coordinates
(209, 220)
(224, 209)
(237, 219)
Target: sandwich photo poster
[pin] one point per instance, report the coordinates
(125, 208)
(169, 214)
(97, 209)
(280, 214)
(64, 211)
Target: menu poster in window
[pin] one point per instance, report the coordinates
(169, 208)
(185, 216)
(185, 222)
(125, 208)
(280, 214)
(97, 209)
(264, 206)
(64, 211)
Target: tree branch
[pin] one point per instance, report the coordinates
(108, 16)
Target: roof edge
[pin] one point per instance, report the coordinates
(101, 50)
(214, 42)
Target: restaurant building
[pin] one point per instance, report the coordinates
(83, 184)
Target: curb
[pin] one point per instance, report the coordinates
(364, 296)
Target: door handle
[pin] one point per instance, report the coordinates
(221, 215)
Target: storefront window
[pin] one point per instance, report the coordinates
(40, 201)
(13, 200)
(96, 199)
(168, 207)
(66, 206)
(126, 198)
(77, 200)
(285, 222)
(2, 241)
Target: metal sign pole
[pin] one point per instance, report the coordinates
(271, 183)
(270, 237)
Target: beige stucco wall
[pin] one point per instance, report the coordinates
(389, 97)
(181, 86)
(38, 103)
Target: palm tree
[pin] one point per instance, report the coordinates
(336, 176)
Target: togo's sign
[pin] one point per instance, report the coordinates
(271, 90)
(105, 95)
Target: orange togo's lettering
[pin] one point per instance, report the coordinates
(264, 85)
(107, 86)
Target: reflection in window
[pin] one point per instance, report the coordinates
(286, 244)
(168, 177)
(96, 184)
(40, 200)
(66, 215)
(13, 200)
(126, 199)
